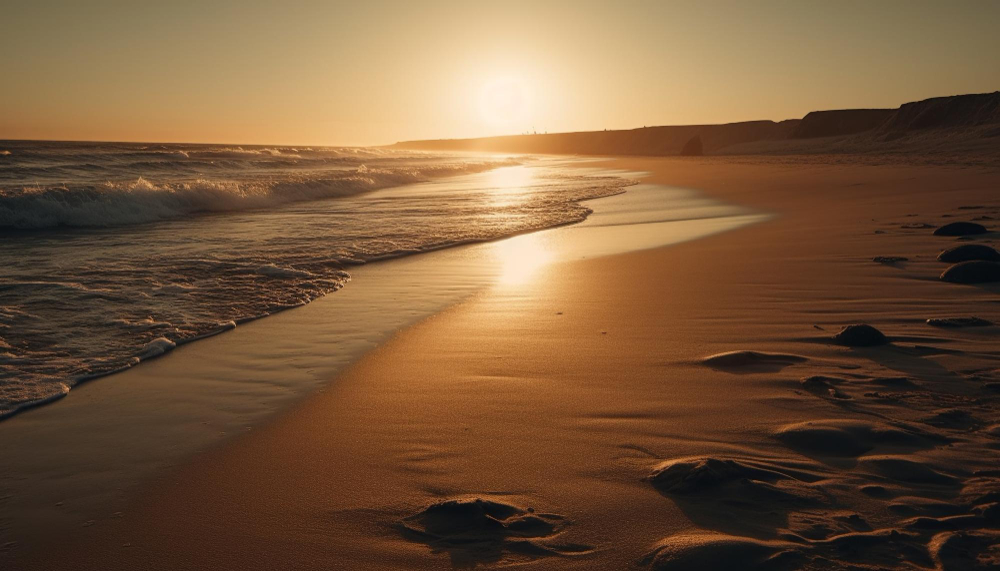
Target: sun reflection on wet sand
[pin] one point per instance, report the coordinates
(521, 257)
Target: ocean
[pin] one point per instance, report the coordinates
(114, 253)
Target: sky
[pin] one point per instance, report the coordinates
(376, 72)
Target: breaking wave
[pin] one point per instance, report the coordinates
(140, 200)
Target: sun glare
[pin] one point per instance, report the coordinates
(505, 102)
(509, 184)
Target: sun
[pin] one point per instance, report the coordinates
(505, 102)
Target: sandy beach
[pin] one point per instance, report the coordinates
(656, 285)
(575, 418)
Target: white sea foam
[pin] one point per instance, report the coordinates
(155, 348)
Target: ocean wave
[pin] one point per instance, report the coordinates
(141, 201)
(80, 304)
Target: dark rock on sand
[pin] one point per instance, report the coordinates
(860, 335)
(974, 272)
(958, 322)
(481, 530)
(889, 259)
(967, 252)
(960, 229)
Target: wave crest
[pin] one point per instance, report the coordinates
(137, 201)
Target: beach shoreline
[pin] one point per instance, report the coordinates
(200, 395)
(565, 390)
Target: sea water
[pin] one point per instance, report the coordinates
(111, 254)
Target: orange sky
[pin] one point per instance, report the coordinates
(377, 72)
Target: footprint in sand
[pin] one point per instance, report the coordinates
(825, 387)
(954, 419)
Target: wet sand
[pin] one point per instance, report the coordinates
(575, 418)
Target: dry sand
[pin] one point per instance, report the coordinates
(574, 420)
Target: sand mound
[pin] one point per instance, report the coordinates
(700, 551)
(695, 475)
(860, 335)
(967, 252)
(978, 491)
(905, 469)
(479, 530)
(958, 322)
(955, 419)
(966, 551)
(750, 359)
(960, 229)
(974, 272)
(873, 549)
(846, 437)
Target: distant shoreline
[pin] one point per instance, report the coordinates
(966, 124)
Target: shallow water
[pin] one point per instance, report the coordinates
(179, 242)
